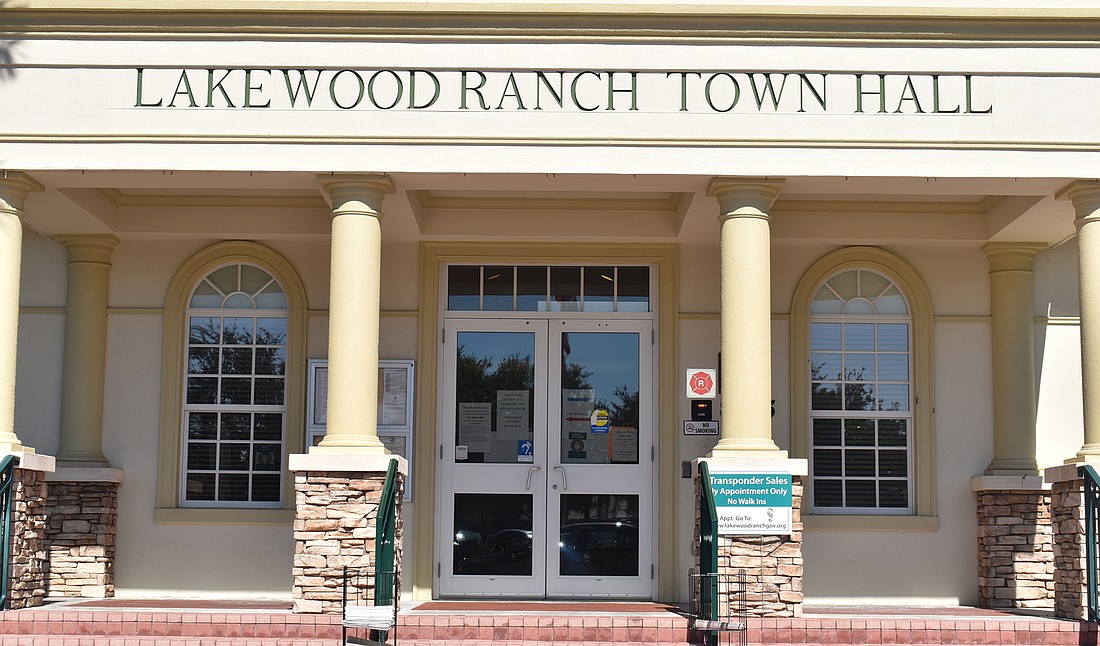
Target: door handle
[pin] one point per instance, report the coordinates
(529, 472)
(564, 480)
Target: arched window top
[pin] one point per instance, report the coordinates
(240, 287)
(859, 292)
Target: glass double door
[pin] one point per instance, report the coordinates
(547, 464)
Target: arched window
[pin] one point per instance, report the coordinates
(861, 409)
(234, 412)
(862, 388)
(232, 396)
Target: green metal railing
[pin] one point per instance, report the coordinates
(385, 572)
(1092, 535)
(7, 473)
(707, 607)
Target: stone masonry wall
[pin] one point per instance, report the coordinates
(773, 564)
(80, 538)
(1015, 550)
(28, 545)
(1068, 517)
(335, 526)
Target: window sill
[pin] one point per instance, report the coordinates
(867, 522)
(223, 516)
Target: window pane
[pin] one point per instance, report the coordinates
(202, 361)
(253, 279)
(233, 456)
(826, 302)
(633, 286)
(825, 396)
(199, 486)
(236, 426)
(237, 361)
(892, 303)
(599, 289)
(225, 279)
(892, 432)
(206, 297)
(498, 289)
(825, 365)
(859, 397)
(268, 426)
(893, 367)
(204, 331)
(827, 432)
(859, 366)
(239, 301)
(233, 487)
(269, 392)
(464, 288)
(565, 289)
(267, 457)
(893, 493)
(827, 493)
(846, 284)
(531, 289)
(272, 298)
(859, 493)
(271, 331)
(859, 462)
(871, 285)
(239, 331)
(202, 390)
(825, 336)
(857, 336)
(893, 464)
(893, 337)
(893, 397)
(265, 488)
(236, 391)
(201, 456)
(202, 426)
(859, 432)
(599, 535)
(827, 462)
(492, 534)
(270, 361)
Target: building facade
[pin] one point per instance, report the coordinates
(872, 220)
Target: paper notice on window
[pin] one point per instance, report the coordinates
(320, 396)
(624, 445)
(393, 394)
(474, 425)
(513, 414)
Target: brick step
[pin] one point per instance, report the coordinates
(106, 640)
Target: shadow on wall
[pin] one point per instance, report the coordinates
(7, 54)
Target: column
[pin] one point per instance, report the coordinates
(14, 187)
(28, 568)
(745, 244)
(355, 284)
(1085, 196)
(1014, 398)
(82, 494)
(85, 350)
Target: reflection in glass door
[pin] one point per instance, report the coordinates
(547, 465)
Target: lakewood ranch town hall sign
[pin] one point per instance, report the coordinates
(473, 90)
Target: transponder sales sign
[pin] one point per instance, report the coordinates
(752, 503)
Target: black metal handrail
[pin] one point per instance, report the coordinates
(1092, 535)
(7, 473)
(708, 554)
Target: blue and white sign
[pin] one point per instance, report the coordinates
(525, 451)
(753, 503)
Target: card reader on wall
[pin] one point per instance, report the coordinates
(701, 410)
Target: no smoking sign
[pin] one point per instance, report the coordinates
(701, 383)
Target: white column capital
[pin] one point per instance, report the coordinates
(744, 196)
(94, 249)
(1012, 256)
(14, 188)
(1085, 196)
(360, 194)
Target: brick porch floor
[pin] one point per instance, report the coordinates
(120, 622)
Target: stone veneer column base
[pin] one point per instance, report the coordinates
(27, 579)
(772, 563)
(82, 519)
(336, 502)
(1067, 511)
(1015, 542)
